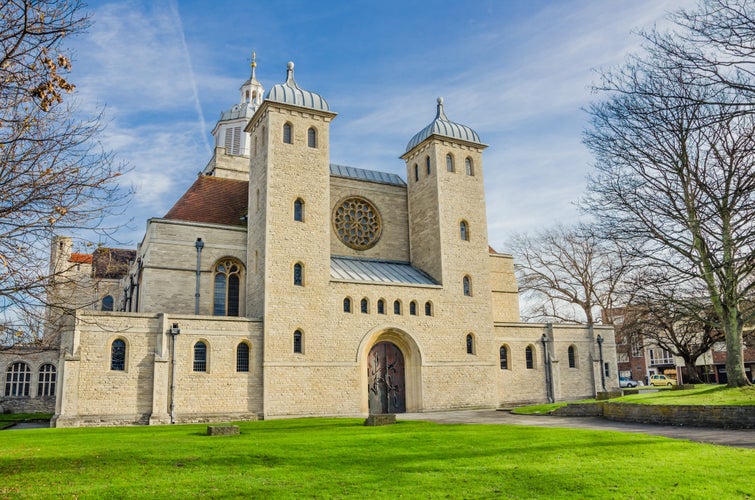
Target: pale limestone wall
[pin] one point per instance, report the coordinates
(169, 260)
(34, 357)
(519, 385)
(93, 394)
(505, 292)
(391, 202)
(228, 166)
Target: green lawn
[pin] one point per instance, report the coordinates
(700, 395)
(337, 458)
(10, 419)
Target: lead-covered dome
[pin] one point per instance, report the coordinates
(444, 127)
(290, 93)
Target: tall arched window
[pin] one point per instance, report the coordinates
(312, 137)
(381, 306)
(287, 135)
(397, 307)
(503, 355)
(298, 342)
(298, 274)
(416, 172)
(226, 288)
(449, 162)
(572, 357)
(470, 344)
(467, 286)
(107, 303)
(118, 355)
(413, 308)
(468, 166)
(18, 380)
(529, 356)
(242, 357)
(428, 308)
(464, 230)
(347, 305)
(200, 357)
(364, 306)
(427, 164)
(46, 381)
(299, 210)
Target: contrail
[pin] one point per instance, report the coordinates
(192, 80)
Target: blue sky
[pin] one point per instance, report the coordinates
(518, 72)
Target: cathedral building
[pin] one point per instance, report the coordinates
(281, 284)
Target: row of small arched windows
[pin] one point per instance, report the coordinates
(504, 355)
(364, 307)
(18, 380)
(450, 166)
(199, 360)
(288, 135)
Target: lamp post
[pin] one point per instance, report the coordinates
(200, 245)
(174, 331)
(602, 370)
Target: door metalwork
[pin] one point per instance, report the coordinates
(385, 371)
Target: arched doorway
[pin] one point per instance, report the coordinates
(386, 379)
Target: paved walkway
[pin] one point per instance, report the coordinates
(737, 438)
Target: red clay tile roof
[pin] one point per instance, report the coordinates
(491, 249)
(81, 258)
(214, 200)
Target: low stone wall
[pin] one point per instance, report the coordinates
(727, 417)
(579, 410)
(27, 405)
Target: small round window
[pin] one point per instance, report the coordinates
(357, 223)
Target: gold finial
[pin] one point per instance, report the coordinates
(254, 59)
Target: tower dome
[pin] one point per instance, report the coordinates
(444, 127)
(290, 93)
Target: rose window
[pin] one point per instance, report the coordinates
(356, 221)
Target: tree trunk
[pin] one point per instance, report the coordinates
(735, 367)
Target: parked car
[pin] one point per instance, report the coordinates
(661, 380)
(627, 382)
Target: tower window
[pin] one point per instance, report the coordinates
(464, 230)
(449, 162)
(227, 286)
(242, 357)
(469, 167)
(312, 137)
(200, 357)
(118, 355)
(416, 172)
(470, 344)
(572, 357)
(299, 210)
(467, 285)
(298, 274)
(503, 354)
(287, 135)
(427, 164)
(107, 303)
(298, 344)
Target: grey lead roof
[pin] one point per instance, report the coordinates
(445, 127)
(290, 93)
(365, 175)
(377, 271)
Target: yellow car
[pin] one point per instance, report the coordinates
(661, 380)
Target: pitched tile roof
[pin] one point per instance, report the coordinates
(81, 258)
(214, 200)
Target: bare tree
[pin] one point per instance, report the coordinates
(569, 273)
(675, 181)
(53, 173)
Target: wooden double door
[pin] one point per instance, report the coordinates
(386, 379)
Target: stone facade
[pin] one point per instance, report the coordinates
(392, 302)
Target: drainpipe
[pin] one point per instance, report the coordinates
(199, 244)
(602, 369)
(173, 331)
(548, 374)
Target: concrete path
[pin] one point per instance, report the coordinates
(736, 438)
